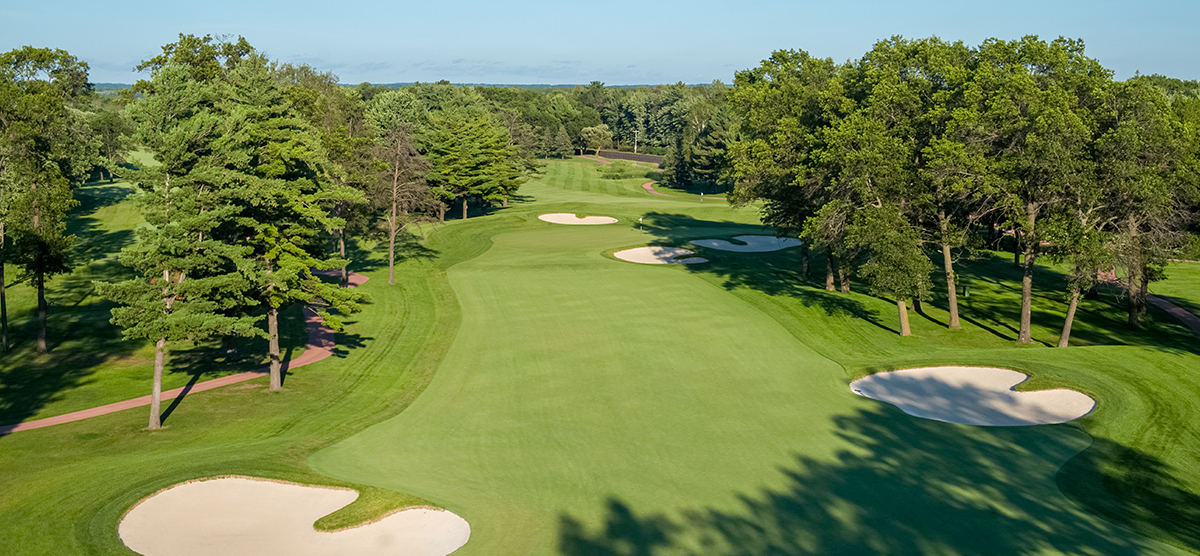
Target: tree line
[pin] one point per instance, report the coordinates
(260, 172)
(927, 147)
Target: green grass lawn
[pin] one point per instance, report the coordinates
(565, 402)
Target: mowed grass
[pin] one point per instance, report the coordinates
(592, 406)
(576, 404)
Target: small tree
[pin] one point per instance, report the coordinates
(562, 144)
(897, 265)
(400, 188)
(596, 137)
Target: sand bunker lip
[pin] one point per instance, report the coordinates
(753, 244)
(973, 396)
(571, 219)
(236, 516)
(655, 254)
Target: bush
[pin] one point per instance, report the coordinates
(621, 171)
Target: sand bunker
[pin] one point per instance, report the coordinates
(753, 244)
(568, 218)
(242, 516)
(973, 396)
(658, 255)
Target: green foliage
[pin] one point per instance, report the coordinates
(620, 170)
(596, 137)
(471, 157)
(896, 265)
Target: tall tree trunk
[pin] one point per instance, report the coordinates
(464, 201)
(1025, 335)
(392, 247)
(3, 297)
(1139, 286)
(843, 278)
(1065, 337)
(273, 332)
(804, 262)
(342, 253)
(160, 349)
(42, 309)
(1016, 248)
(951, 287)
(830, 262)
(903, 309)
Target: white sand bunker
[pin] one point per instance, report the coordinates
(658, 255)
(568, 218)
(973, 396)
(242, 516)
(753, 244)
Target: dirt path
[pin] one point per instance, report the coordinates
(1185, 316)
(320, 346)
(649, 187)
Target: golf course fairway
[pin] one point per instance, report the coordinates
(591, 406)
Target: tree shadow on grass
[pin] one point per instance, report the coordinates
(993, 305)
(775, 273)
(907, 486)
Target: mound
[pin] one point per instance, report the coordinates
(568, 218)
(243, 516)
(753, 244)
(973, 396)
(658, 255)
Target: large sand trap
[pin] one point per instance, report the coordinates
(658, 255)
(247, 517)
(973, 396)
(753, 244)
(568, 218)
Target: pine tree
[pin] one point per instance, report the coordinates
(562, 144)
(285, 199)
(471, 157)
(184, 274)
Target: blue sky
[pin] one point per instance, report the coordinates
(618, 42)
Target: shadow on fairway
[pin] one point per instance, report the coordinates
(913, 486)
(993, 305)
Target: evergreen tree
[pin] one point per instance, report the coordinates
(471, 157)
(562, 144)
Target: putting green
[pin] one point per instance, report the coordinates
(589, 406)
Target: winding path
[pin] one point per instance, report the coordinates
(1185, 316)
(649, 187)
(320, 346)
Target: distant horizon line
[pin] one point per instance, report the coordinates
(397, 85)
